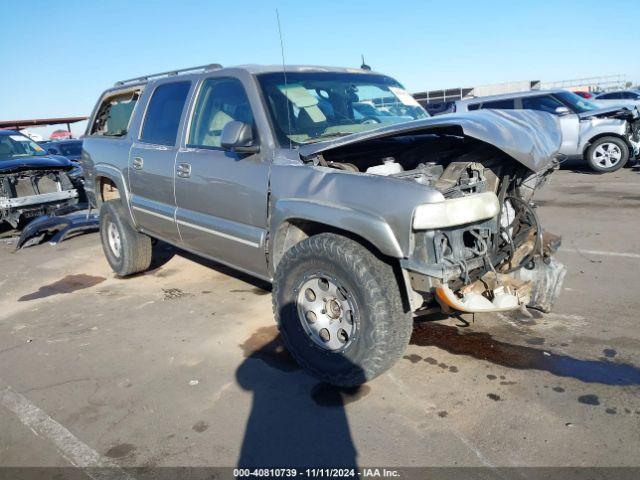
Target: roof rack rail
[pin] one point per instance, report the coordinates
(170, 73)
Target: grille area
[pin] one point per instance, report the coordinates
(24, 187)
(47, 185)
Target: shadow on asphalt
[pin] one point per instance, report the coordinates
(580, 166)
(163, 253)
(292, 422)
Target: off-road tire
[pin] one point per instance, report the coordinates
(135, 251)
(383, 326)
(591, 151)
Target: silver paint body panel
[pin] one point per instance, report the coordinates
(232, 206)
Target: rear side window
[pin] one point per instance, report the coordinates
(501, 104)
(112, 119)
(543, 103)
(163, 113)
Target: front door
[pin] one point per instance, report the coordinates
(221, 195)
(152, 162)
(569, 123)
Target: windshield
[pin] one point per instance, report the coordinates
(576, 102)
(17, 145)
(316, 106)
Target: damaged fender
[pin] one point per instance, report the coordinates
(361, 223)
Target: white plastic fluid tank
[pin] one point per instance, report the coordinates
(388, 167)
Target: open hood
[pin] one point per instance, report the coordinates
(45, 162)
(531, 138)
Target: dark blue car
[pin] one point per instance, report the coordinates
(72, 149)
(33, 182)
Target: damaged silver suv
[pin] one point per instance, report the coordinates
(605, 137)
(334, 185)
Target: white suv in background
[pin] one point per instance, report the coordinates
(605, 137)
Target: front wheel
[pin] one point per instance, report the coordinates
(339, 310)
(607, 154)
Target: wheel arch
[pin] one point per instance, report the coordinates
(598, 136)
(109, 184)
(294, 228)
(291, 219)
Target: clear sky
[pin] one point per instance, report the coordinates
(56, 56)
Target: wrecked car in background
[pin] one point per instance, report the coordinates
(40, 193)
(32, 182)
(605, 137)
(357, 225)
(72, 150)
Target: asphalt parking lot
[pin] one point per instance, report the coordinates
(183, 366)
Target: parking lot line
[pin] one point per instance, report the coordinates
(600, 252)
(70, 447)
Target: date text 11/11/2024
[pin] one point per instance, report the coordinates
(316, 473)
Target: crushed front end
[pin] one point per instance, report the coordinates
(621, 121)
(28, 193)
(487, 251)
(476, 244)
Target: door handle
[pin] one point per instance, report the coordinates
(138, 162)
(184, 170)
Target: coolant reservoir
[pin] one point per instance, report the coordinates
(388, 167)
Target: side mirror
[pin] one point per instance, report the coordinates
(238, 137)
(562, 110)
(52, 151)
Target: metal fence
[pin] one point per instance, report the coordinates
(592, 84)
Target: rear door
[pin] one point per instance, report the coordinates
(222, 195)
(152, 161)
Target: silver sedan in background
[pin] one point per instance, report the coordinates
(622, 98)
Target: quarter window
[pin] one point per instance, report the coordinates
(507, 104)
(162, 119)
(544, 103)
(112, 118)
(220, 101)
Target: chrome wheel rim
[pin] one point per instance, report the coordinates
(113, 237)
(327, 312)
(607, 155)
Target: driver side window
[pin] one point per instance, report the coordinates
(220, 101)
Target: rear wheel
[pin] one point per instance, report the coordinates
(339, 310)
(607, 154)
(127, 250)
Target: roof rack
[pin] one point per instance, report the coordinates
(170, 73)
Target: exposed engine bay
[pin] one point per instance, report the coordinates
(25, 194)
(476, 266)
